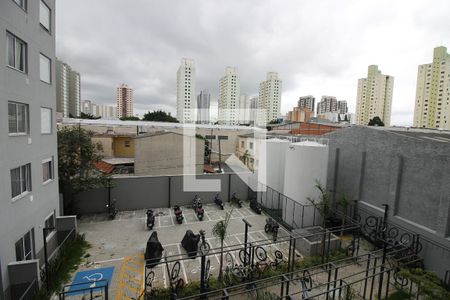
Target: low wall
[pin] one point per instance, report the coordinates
(141, 192)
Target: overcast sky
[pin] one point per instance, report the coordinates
(317, 47)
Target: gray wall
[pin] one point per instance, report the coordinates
(30, 211)
(409, 173)
(139, 192)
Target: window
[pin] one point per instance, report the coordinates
(47, 170)
(46, 120)
(25, 246)
(17, 118)
(20, 180)
(21, 3)
(50, 223)
(45, 16)
(251, 145)
(16, 50)
(242, 144)
(45, 68)
(127, 144)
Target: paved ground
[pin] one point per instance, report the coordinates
(120, 243)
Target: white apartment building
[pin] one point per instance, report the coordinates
(186, 91)
(229, 97)
(203, 105)
(68, 87)
(432, 108)
(374, 97)
(244, 109)
(327, 104)
(124, 106)
(269, 99)
(307, 102)
(98, 110)
(253, 112)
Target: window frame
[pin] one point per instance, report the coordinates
(21, 240)
(49, 234)
(26, 119)
(25, 181)
(16, 40)
(50, 68)
(25, 5)
(51, 170)
(51, 120)
(49, 30)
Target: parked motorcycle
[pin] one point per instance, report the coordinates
(255, 206)
(112, 210)
(236, 200)
(218, 201)
(178, 214)
(197, 206)
(272, 226)
(150, 219)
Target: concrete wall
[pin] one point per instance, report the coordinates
(140, 192)
(409, 172)
(106, 143)
(120, 150)
(28, 212)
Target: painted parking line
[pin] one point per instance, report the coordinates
(131, 278)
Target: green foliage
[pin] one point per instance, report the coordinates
(220, 232)
(429, 285)
(77, 156)
(376, 121)
(159, 116)
(130, 118)
(323, 204)
(398, 295)
(73, 255)
(88, 116)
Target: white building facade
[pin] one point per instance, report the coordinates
(68, 90)
(203, 105)
(432, 106)
(374, 97)
(269, 99)
(186, 91)
(124, 99)
(229, 97)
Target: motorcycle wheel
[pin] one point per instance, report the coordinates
(267, 228)
(200, 217)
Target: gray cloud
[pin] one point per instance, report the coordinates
(318, 48)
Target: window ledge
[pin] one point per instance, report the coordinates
(50, 235)
(18, 134)
(18, 197)
(48, 181)
(17, 70)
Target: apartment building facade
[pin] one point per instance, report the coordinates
(229, 97)
(186, 91)
(203, 104)
(269, 104)
(307, 102)
(432, 106)
(124, 106)
(68, 86)
(374, 97)
(29, 200)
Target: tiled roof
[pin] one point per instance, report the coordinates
(104, 167)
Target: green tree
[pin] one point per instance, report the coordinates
(220, 232)
(376, 121)
(88, 116)
(77, 155)
(130, 118)
(159, 116)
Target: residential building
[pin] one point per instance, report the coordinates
(299, 114)
(269, 99)
(68, 92)
(229, 97)
(244, 109)
(307, 102)
(86, 107)
(29, 198)
(342, 107)
(327, 104)
(374, 97)
(98, 110)
(253, 110)
(336, 117)
(432, 106)
(124, 106)
(203, 104)
(186, 91)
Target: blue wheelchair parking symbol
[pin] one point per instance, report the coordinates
(92, 279)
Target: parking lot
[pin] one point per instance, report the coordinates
(120, 243)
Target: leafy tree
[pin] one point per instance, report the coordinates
(88, 116)
(428, 284)
(376, 121)
(159, 116)
(77, 155)
(220, 231)
(274, 121)
(130, 118)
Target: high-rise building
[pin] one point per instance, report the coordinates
(124, 107)
(327, 104)
(307, 102)
(342, 107)
(229, 97)
(203, 104)
(86, 107)
(29, 197)
(253, 111)
(432, 106)
(244, 109)
(98, 110)
(68, 87)
(269, 99)
(374, 97)
(186, 91)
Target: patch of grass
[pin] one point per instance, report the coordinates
(68, 263)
